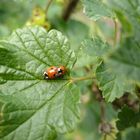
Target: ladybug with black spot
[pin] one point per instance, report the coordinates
(54, 72)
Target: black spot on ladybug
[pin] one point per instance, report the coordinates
(46, 74)
(60, 71)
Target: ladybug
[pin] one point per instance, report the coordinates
(51, 72)
(54, 72)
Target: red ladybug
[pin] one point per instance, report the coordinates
(54, 72)
(51, 73)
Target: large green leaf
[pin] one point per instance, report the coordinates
(96, 9)
(112, 85)
(32, 108)
(125, 60)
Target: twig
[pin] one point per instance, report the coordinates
(69, 9)
(48, 5)
(102, 106)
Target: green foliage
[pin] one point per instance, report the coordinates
(102, 62)
(32, 106)
(12, 15)
(96, 9)
(110, 83)
(130, 134)
(91, 52)
(95, 47)
(131, 12)
(127, 118)
(71, 29)
(134, 134)
(126, 60)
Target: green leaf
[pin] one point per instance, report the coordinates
(96, 9)
(71, 29)
(13, 14)
(84, 59)
(95, 47)
(130, 134)
(134, 134)
(30, 107)
(127, 118)
(91, 52)
(125, 60)
(131, 10)
(111, 84)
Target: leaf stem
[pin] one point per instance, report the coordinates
(48, 5)
(82, 78)
(115, 33)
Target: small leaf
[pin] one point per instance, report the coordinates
(125, 61)
(95, 47)
(127, 118)
(91, 52)
(96, 9)
(112, 85)
(30, 107)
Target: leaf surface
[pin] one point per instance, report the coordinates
(32, 108)
(112, 85)
(96, 9)
(125, 60)
(125, 121)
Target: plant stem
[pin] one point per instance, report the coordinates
(105, 137)
(69, 9)
(48, 5)
(82, 78)
(115, 34)
(102, 107)
(112, 137)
